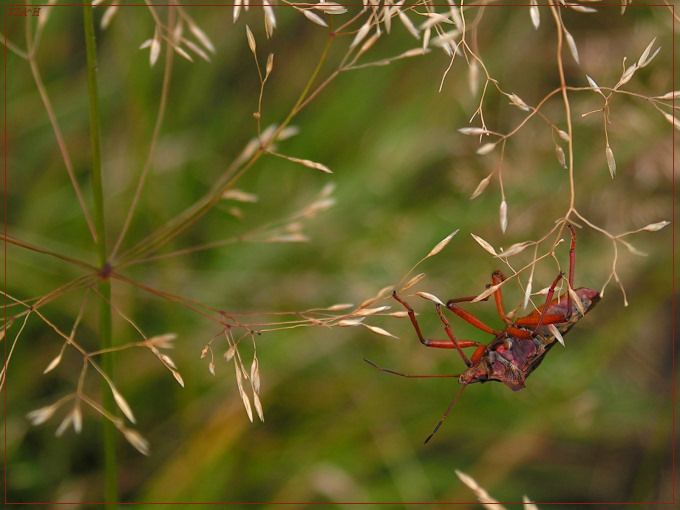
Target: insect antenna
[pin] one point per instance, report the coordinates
(409, 376)
(445, 414)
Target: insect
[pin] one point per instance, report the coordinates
(518, 349)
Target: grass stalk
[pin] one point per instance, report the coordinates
(105, 324)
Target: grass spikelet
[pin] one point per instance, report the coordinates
(484, 244)
(339, 307)
(306, 162)
(239, 196)
(473, 78)
(481, 187)
(77, 418)
(371, 311)
(177, 377)
(330, 7)
(155, 48)
(482, 496)
(348, 323)
(205, 351)
(503, 215)
(255, 374)
(528, 505)
(669, 96)
(241, 391)
(269, 18)
(576, 300)
(401, 314)
(653, 227)
(183, 53)
(258, 406)
(527, 293)
(560, 156)
(673, 120)
(382, 294)
(486, 148)
(237, 10)
(167, 360)
(379, 331)
(645, 58)
(519, 103)
(488, 292)
(136, 440)
(594, 85)
(369, 43)
(627, 75)
(430, 297)
(558, 336)
(251, 41)
(611, 162)
(563, 135)
(54, 362)
(514, 249)
(474, 131)
(109, 13)
(196, 49)
(164, 341)
(68, 420)
(405, 20)
(202, 37)
(633, 249)
(122, 404)
(40, 416)
(313, 17)
(441, 244)
(361, 34)
(268, 67)
(412, 282)
(535, 14)
(572, 45)
(229, 353)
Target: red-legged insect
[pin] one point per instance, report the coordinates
(518, 349)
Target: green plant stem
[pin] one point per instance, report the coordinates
(105, 325)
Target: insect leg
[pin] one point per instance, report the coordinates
(572, 264)
(468, 317)
(545, 307)
(451, 343)
(496, 278)
(464, 343)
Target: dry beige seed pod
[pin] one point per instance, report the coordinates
(503, 215)
(481, 187)
(430, 297)
(484, 244)
(611, 162)
(560, 156)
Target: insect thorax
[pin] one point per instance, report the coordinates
(509, 360)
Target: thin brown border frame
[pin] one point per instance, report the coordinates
(671, 7)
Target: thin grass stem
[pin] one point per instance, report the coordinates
(105, 325)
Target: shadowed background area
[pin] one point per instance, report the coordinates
(593, 423)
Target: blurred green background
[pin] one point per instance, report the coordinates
(594, 422)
